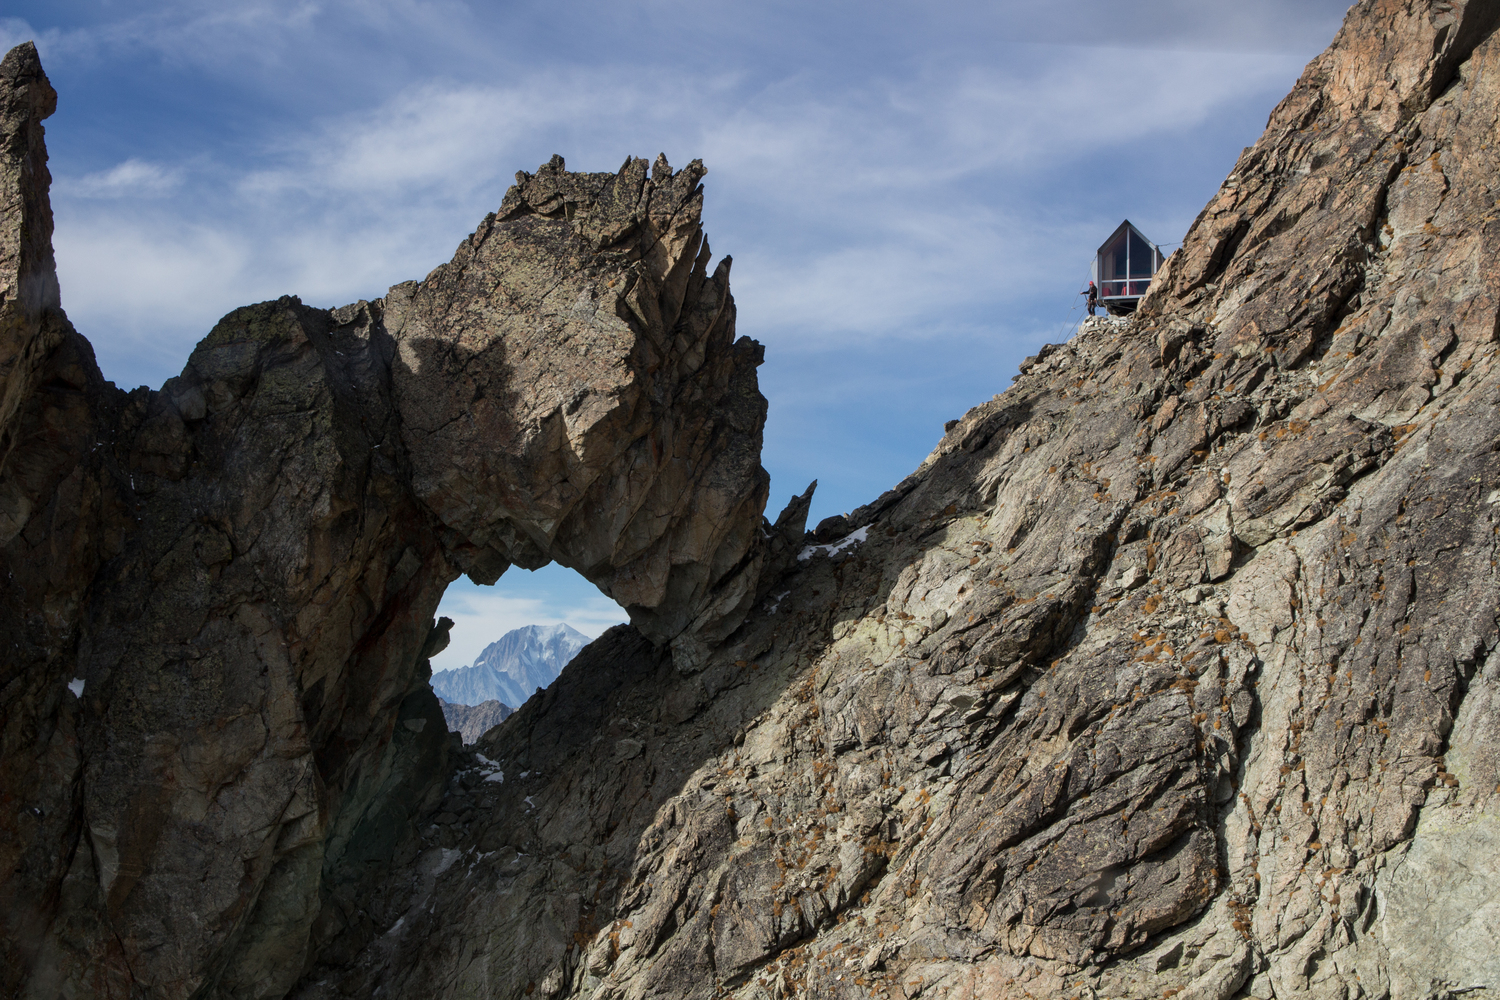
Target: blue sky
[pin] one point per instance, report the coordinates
(911, 191)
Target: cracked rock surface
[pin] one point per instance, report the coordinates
(1171, 671)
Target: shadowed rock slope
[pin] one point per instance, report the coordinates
(1170, 672)
(217, 599)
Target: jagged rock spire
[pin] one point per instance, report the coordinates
(28, 273)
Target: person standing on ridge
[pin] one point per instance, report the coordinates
(1093, 301)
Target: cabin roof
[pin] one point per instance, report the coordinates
(1127, 224)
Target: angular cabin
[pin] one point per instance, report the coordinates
(1124, 267)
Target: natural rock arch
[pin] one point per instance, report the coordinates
(242, 567)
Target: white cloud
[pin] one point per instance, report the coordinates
(853, 213)
(188, 32)
(154, 270)
(910, 191)
(14, 31)
(131, 179)
(1088, 99)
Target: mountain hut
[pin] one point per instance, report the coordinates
(1124, 267)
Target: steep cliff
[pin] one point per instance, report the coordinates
(1170, 671)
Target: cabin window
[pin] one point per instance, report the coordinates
(1126, 265)
(1140, 257)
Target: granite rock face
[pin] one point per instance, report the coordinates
(217, 600)
(1172, 670)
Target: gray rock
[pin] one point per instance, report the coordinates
(1231, 789)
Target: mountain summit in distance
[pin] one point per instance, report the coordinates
(513, 667)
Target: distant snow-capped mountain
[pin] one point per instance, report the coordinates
(513, 667)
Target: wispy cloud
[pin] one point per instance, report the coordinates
(854, 213)
(131, 179)
(15, 30)
(184, 32)
(436, 138)
(1294, 26)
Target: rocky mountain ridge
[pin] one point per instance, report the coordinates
(471, 722)
(1170, 672)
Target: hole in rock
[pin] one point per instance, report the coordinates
(511, 638)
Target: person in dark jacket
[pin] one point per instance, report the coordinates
(1093, 301)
